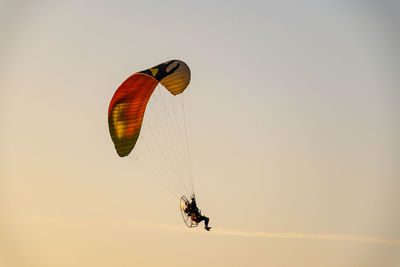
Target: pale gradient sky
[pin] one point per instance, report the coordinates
(295, 121)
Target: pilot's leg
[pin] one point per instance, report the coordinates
(206, 220)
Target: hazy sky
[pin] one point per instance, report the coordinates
(295, 121)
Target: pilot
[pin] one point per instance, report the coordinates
(194, 213)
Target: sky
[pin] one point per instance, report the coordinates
(294, 116)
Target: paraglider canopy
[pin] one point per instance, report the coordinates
(128, 105)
